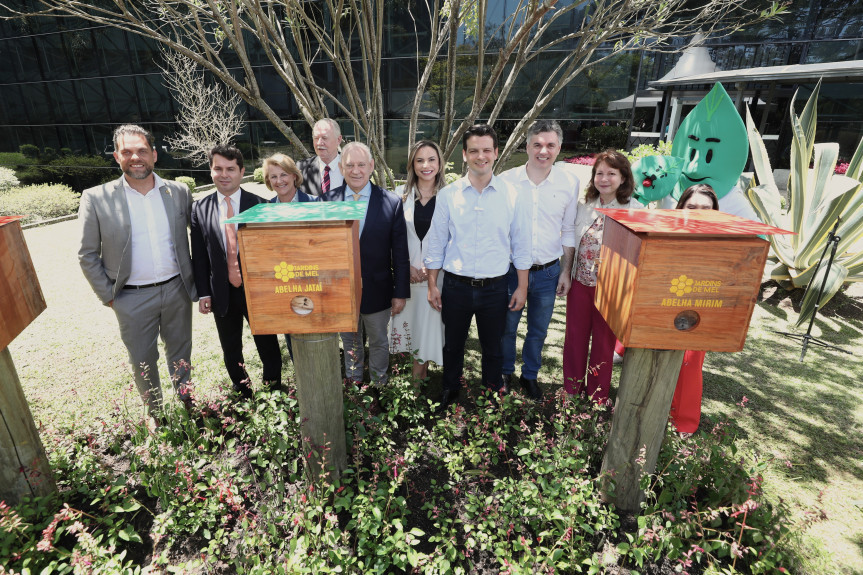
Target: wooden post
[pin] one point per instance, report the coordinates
(644, 396)
(24, 468)
(320, 395)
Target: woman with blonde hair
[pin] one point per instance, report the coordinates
(418, 328)
(282, 176)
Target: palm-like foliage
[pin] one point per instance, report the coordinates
(818, 198)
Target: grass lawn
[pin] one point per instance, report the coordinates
(806, 416)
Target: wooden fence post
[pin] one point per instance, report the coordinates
(24, 468)
(644, 397)
(320, 393)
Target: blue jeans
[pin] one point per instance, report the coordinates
(461, 303)
(541, 290)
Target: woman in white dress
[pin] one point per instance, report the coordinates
(418, 329)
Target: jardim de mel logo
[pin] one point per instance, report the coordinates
(681, 285)
(689, 292)
(307, 274)
(284, 272)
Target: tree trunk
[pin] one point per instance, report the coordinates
(320, 395)
(638, 427)
(24, 468)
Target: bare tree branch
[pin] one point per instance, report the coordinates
(295, 36)
(208, 112)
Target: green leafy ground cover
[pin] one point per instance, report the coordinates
(483, 490)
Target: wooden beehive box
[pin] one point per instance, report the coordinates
(680, 279)
(301, 266)
(21, 299)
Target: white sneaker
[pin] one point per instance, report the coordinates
(618, 359)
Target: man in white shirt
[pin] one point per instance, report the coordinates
(475, 228)
(322, 172)
(135, 254)
(551, 192)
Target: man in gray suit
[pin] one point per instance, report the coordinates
(135, 254)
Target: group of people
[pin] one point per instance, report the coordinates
(504, 242)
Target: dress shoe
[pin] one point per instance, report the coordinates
(447, 398)
(531, 387)
(273, 386)
(243, 390)
(507, 382)
(188, 403)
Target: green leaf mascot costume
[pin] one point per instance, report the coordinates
(710, 147)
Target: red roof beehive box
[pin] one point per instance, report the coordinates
(21, 297)
(680, 279)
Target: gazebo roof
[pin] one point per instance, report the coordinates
(795, 73)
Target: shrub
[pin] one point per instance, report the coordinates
(662, 148)
(77, 172)
(29, 150)
(449, 175)
(65, 151)
(39, 202)
(581, 160)
(258, 176)
(604, 137)
(16, 160)
(7, 179)
(188, 181)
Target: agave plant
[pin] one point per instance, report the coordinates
(818, 197)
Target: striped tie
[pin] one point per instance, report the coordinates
(325, 185)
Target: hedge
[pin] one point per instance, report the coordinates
(39, 202)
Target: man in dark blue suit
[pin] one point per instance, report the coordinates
(215, 261)
(383, 258)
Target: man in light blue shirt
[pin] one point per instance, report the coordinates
(476, 229)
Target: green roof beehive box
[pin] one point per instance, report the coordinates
(301, 266)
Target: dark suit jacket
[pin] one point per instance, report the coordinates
(383, 250)
(311, 176)
(209, 259)
(301, 197)
(105, 253)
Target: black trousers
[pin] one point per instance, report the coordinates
(230, 328)
(460, 304)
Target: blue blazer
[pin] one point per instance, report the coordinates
(301, 197)
(209, 262)
(384, 255)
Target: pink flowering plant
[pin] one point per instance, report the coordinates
(499, 484)
(706, 507)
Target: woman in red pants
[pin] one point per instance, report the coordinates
(686, 405)
(589, 372)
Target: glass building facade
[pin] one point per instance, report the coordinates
(65, 83)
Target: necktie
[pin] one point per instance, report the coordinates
(234, 275)
(357, 197)
(325, 185)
